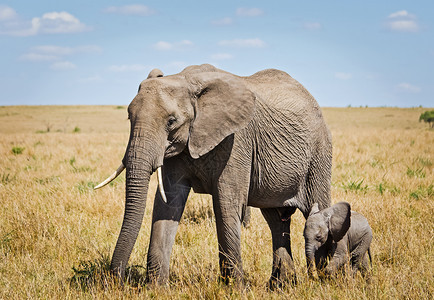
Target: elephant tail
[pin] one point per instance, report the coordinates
(370, 257)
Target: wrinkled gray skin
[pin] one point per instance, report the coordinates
(259, 141)
(339, 235)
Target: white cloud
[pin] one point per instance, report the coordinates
(404, 25)
(401, 13)
(161, 45)
(185, 43)
(223, 22)
(53, 53)
(128, 68)
(222, 56)
(37, 57)
(61, 51)
(131, 10)
(312, 25)
(7, 13)
(165, 46)
(243, 43)
(407, 87)
(63, 66)
(50, 23)
(343, 75)
(402, 21)
(249, 12)
(91, 79)
(58, 22)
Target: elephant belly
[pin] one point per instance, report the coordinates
(271, 188)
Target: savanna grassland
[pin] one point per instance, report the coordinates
(57, 234)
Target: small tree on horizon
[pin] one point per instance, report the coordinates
(428, 117)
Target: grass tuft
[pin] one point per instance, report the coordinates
(95, 274)
(18, 150)
(90, 274)
(418, 173)
(423, 193)
(356, 186)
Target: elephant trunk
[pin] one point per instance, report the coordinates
(140, 163)
(310, 258)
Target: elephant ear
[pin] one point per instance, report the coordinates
(340, 220)
(155, 73)
(223, 106)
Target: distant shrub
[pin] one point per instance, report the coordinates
(18, 150)
(428, 117)
(76, 129)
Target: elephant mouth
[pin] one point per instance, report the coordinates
(120, 170)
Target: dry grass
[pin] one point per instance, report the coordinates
(52, 221)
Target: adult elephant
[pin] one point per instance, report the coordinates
(259, 141)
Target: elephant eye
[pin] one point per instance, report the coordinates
(171, 121)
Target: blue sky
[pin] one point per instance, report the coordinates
(375, 53)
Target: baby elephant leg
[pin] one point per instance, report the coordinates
(361, 264)
(339, 258)
(359, 256)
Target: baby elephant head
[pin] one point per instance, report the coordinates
(331, 223)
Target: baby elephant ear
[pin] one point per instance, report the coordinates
(314, 209)
(224, 105)
(340, 220)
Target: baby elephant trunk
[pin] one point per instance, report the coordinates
(310, 250)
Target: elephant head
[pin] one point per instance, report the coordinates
(191, 113)
(321, 226)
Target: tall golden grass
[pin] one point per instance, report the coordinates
(57, 234)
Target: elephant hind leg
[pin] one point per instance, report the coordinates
(283, 271)
(362, 265)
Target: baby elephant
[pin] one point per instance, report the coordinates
(339, 235)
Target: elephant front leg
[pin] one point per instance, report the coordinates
(283, 266)
(228, 221)
(339, 258)
(165, 220)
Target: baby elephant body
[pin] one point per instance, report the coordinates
(335, 236)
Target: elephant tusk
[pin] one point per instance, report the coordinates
(111, 177)
(160, 185)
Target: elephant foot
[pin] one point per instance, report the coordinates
(157, 276)
(118, 275)
(231, 276)
(283, 275)
(281, 283)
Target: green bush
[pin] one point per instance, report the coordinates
(428, 117)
